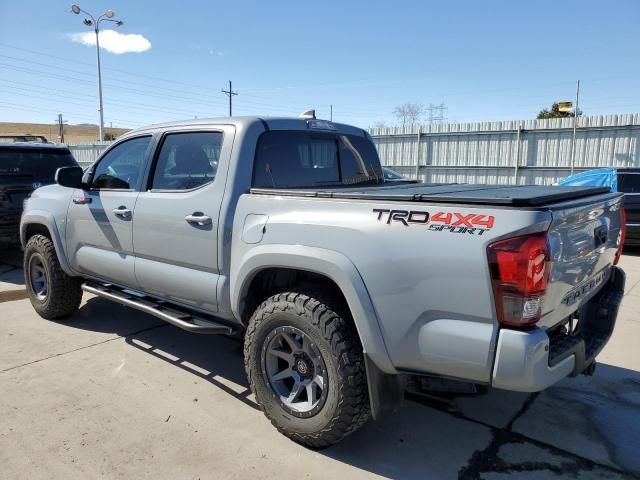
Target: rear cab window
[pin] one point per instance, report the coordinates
(40, 163)
(303, 159)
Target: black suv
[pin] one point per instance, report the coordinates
(629, 184)
(25, 166)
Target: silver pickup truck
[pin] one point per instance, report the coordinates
(344, 287)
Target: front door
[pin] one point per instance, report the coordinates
(99, 231)
(176, 228)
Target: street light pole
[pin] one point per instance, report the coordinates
(100, 108)
(91, 21)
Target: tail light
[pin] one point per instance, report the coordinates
(621, 236)
(520, 268)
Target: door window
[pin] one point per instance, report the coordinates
(187, 161)
(123, 166)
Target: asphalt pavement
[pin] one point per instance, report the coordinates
(114, 393)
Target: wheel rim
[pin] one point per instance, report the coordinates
(38, 277)
(295, 371)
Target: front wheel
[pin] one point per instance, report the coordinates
(305, 366)
(53, 293)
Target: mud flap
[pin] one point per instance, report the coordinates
(386, 392)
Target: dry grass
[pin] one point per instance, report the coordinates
(72, 133)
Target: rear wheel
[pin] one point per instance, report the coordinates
(53, 293)
(305, 366)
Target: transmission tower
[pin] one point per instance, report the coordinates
(436, 113)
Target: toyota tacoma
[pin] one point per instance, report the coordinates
(344, 287)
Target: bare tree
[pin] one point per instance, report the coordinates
(379, 124)
(409, 113)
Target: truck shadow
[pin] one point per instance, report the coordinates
(429, 436)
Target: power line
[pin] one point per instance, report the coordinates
(277, 106)
(146, 85)
(75, 61)
(283, 105)
(81, 116)
(161, 94)
(164, 89)
(375, 99)
(51, 93)
(79, 72)
(394, 80)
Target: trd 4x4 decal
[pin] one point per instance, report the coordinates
(453, 222)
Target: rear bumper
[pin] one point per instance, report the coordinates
(530, 361)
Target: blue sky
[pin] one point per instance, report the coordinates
(486, 60)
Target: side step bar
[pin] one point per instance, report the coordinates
(196, 323)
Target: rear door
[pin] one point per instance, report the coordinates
(100, 220)
(175, 232)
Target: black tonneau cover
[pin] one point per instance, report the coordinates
(508, 195)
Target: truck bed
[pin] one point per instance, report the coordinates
(506, 195)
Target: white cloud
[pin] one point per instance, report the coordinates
(114, 42)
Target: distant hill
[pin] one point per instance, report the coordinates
(72, 133)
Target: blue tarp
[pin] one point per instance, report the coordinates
(601, 177)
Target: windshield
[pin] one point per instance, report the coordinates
(39, 163)
(299, 159)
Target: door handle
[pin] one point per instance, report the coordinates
(198, 218)
(122, 211)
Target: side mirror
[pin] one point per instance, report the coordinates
(69, 177)
(87, 178)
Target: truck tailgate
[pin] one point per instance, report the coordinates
(583, 240)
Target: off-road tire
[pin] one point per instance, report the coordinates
(347, 403)
(64, 293)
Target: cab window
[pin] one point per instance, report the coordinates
(302, 159)
(122, 167)
(187, 160)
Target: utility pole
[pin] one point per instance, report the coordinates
(576, 112)
(230, 93)
(331, 114)
(60, 128)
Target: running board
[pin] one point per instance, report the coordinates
(177, 316)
